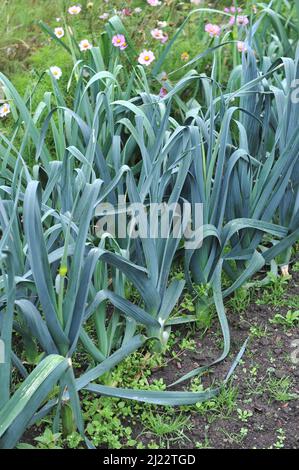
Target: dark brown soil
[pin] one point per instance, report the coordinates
(266, 358)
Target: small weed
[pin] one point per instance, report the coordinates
(188, 303)
(279, 389)
(165, 426)
(281, 437)
(258, 331)
(205, 316)
(205, 444)
(290, 320)
(273, 292)
(222, 405)
(237, 438)
(49, 440)
(240, 301)
(295, 267)
(244, 415)
(188, 344)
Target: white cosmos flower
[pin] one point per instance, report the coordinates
(162, 24)
(4, 110)
(104, 16)
(59, 32)
(74, 10)
(56, 72)
(146, 57)
(85, 45)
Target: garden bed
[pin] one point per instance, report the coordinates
(113, 116)
(259, 408)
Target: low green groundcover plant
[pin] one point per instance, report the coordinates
(117, 131)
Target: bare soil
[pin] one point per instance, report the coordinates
(267, 357)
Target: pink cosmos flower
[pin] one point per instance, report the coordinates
(241, 46)
(233, 10)
(165, 38)
(159, 35)
(146, 57)
(123, 46)
(213, 29)
(154, 3)
(119, 40)
(163, 92)
(241, 20)
(126, 12)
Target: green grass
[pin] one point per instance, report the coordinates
(167, 428)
